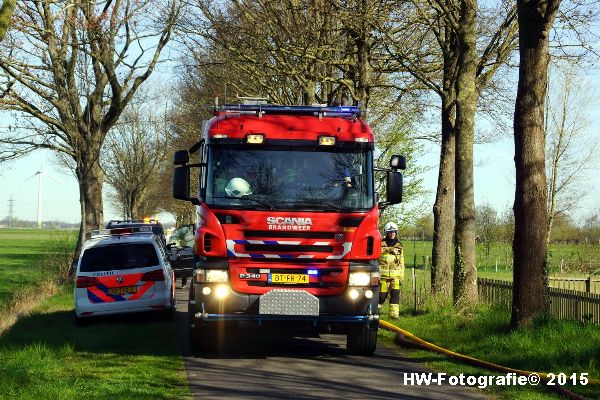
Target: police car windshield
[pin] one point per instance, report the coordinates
(120, 256)
(289, 179)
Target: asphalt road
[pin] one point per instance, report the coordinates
(257, 363)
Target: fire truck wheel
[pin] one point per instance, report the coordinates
(362, 339)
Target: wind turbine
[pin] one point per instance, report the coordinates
(39, 175)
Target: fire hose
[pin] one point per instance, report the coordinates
(409, 338)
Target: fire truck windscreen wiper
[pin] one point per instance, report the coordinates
(312, 203)
(247, 198)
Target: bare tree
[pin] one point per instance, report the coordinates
(69, 70)
(136, 150)
(569, 150)
(297, 52)
(530, 275)
(6, 12)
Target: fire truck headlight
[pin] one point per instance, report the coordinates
(359, 279)
(216, 275)
(221, 291)
(206, 290)
(353, 294)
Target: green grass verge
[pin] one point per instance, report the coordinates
(550, 346)
(19, 251)
(45, 356)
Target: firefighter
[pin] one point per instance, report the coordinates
(391, 264)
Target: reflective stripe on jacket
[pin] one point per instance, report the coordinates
(391, 261)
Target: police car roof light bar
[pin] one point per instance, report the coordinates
(121, 231)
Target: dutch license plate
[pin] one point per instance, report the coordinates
(288, 278)
(122, 290)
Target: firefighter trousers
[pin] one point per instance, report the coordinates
(391, 286)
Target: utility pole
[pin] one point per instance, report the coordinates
(11, 211)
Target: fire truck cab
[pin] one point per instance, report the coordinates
(287, 220)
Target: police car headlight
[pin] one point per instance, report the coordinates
(216, 275)
(359, 279)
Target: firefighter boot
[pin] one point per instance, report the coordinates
(394, 311)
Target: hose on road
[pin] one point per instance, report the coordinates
(409, 338)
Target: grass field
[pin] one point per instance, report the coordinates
(574, 259)
(577, 262)
(45, 356)
(552, 346)
(19, 249)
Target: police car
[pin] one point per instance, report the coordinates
(123, 270)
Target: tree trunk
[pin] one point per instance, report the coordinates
(465, 269)
(443, 209)
(90, 177)
(530, 275)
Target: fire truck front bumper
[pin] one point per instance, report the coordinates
(354, 305)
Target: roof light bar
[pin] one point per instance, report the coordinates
(332, 111)
(121, 231)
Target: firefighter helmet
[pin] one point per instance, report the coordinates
(390, 227)
(238, 187)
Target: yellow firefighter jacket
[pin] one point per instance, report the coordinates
(391, 261)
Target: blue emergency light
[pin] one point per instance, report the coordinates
(312, 272)
(325, 111)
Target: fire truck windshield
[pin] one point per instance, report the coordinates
(284, 179)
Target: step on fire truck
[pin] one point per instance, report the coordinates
(287, 221)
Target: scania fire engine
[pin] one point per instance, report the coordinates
(287, 221)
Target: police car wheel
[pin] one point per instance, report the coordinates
(169, 314)
(362, 339)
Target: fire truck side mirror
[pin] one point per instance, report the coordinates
(181, 182)
(181, 157)
(394, 187)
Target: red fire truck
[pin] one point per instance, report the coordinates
(287, 221)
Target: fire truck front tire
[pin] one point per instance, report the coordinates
(362, 339)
